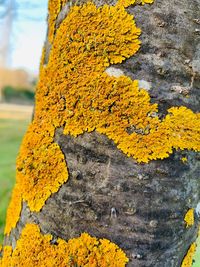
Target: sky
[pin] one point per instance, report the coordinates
(28, 34)
(27, 47)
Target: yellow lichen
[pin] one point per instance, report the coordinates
(54, 7)
(34, 249)
(145, 1)
(187, 261)
(41, 167)
(75, 92)
(184, 159)
(126, 3)
(14, 209)
(189, 218)
(41, 170)
(84, 98)
(5, 260)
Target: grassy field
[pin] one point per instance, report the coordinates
(197, 255)
(11, 133)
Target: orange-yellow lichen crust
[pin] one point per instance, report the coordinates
(54, 7)
(75, 92)
(34, 249)
(126, 3)
(184, 159)
(41, 170)
(14, 209)
(41, 167)
(188, 259)
(5, 260)
(189, 218)
(83, 97)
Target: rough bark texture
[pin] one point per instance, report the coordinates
(140, 207)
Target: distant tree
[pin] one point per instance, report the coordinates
(7, 14)
(10, 11)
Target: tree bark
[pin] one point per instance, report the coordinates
(140, 207)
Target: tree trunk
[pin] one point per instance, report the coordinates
(144, 204)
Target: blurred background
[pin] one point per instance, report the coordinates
(22, 34)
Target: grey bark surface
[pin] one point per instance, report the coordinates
(140, 207)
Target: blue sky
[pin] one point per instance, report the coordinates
(28, 34)
(27, 47)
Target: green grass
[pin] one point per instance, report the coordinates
(11, 134)
(197, 255)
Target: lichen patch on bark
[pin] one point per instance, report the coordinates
(75, 92)
(34, 249)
